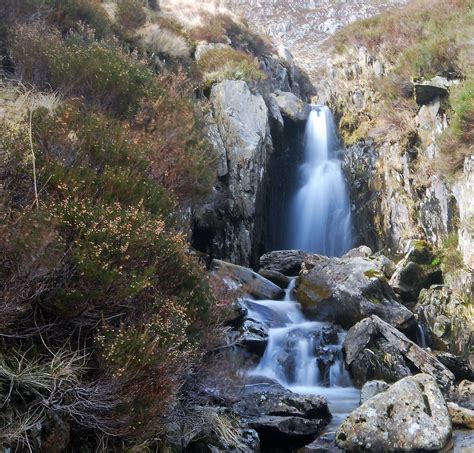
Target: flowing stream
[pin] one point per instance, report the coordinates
(320, 219)
(306, 356)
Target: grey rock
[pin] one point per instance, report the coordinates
(360, 252)
(287, 262)
(276, 277)
(464, 394)
(372, 388)
(253, 337)
(347, 290)
(447, 318)
(291, 106)
(411, 415)
(376, 350)
(459, 366)
(246, 281)
(428, 90)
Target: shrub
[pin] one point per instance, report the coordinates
(130, 14)
(451, 258)
(159, 41)
(226, 63)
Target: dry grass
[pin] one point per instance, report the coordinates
(160, 41)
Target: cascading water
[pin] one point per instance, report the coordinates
(304, 356)
(320, 220)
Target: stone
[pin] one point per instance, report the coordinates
(348, 289)
(360, 252)
(372, 388)
(447, 317)
(286, 433)
(411, 415)
(464, 394)
(459, 366)
(428, 90)
(376, 350)
(253, 337)
(419, 269)
(246, 281)
(275, 277)
(461, 417)
(291, 106)
(287, 262)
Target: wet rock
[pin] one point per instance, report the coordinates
(465, 444)
(246, 281)
(447, 318)
(282, 434)
(325, 443)
(411, 415)
(275, 277)
(360, 252)
(291, 106)
(287, 262)
(459, 366)
(428, 90)
(461, 417)
(286, 405)
(253, 337)
(347, 290)
(419, 269)
(376, 350)
(372, 388)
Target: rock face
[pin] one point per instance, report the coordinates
(285, 421)
(428, 90)
(376, 350)
(347, 290)
(410, 416)
(448, 319)
(372, 388)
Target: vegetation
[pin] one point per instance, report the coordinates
(105, 316)
(420, 40)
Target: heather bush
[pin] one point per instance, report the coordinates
(130, 14)
(226, 63)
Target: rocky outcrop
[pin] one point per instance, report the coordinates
(349, 289)
(410, 416)
(447, 318)
(428, 90)
(375, 350)
(459, 366)
(286, 262)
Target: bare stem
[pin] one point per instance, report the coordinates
(34, 161)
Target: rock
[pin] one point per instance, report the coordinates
(410, 416)
(464, 444)
(428, 90)
(464, 394)
(286, 405)
(284, 421)
(347, 290)
(459, 366)
(376, 350)
(247, 281)
(415, 272)
(275, 277)
(286, 433)
(287, 262)
(461, 416)
(253, 337)
(372, 388)
(326, 443)
(360, 252)
(447, 319)
(291, 106)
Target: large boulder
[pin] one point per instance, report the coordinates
(348, 289)
(376, 350)
(284, 421)
(447, 318)
(372, 388)
(411, 415)
(286, 262)
(245, 281)
(419, 269)
(291, 106)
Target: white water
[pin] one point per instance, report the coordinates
(320, 219)
(304, 356)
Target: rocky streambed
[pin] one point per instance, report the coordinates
(333, 360)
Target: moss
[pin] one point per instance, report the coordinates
(372, 273)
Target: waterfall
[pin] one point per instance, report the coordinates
(303, 356)
(320, 219)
